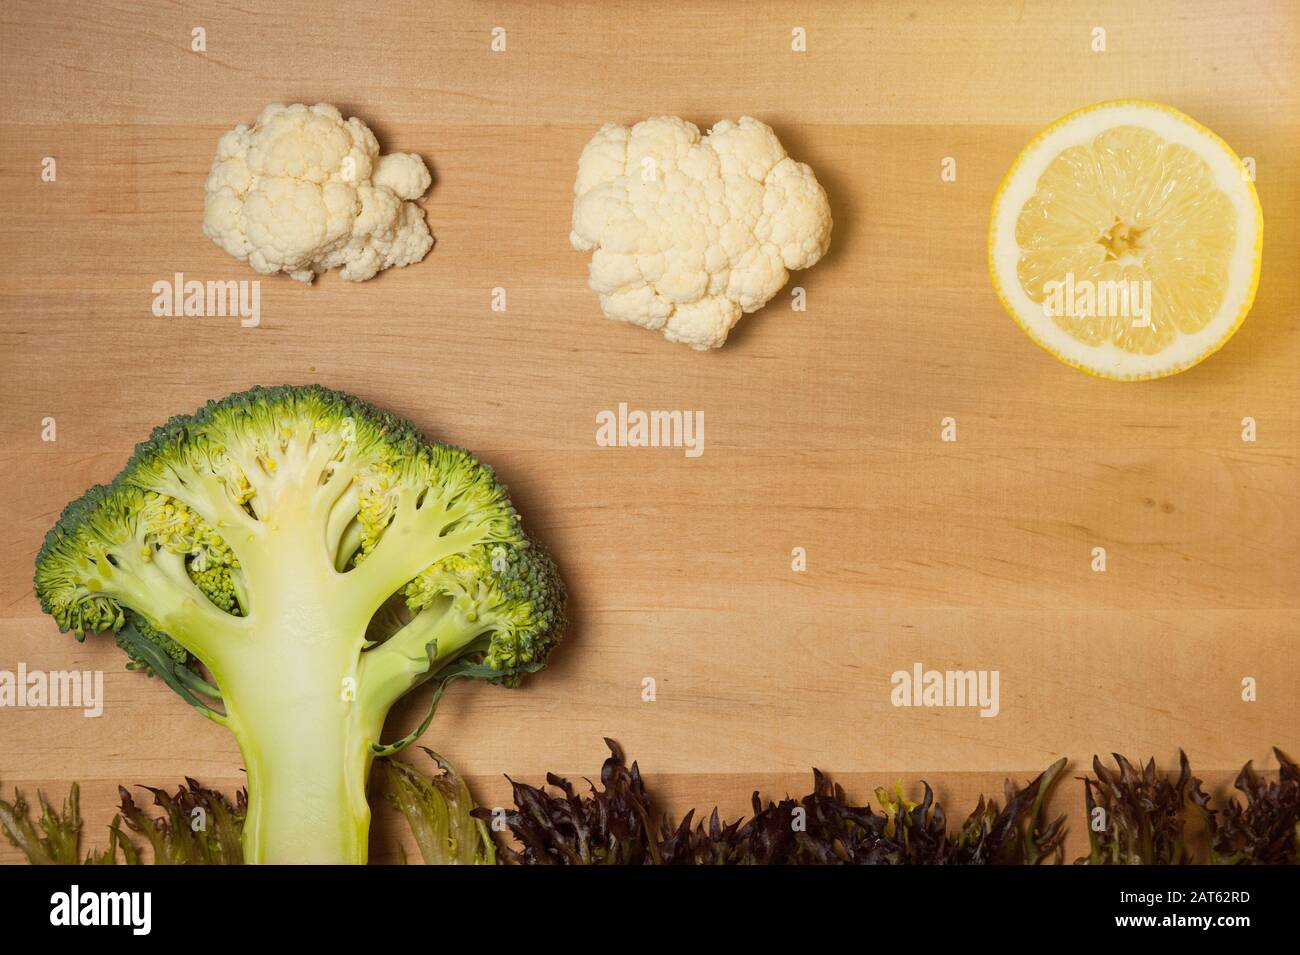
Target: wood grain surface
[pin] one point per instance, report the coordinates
(822, 427)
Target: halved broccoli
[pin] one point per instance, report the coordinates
(292, 561)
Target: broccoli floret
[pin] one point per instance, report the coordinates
(149, 648)
(507, 593)
(292, 561)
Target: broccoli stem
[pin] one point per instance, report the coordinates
(291, 697)
(308, 762)
(306, 794)
(419, 650)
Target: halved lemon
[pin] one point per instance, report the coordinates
(1126, 240)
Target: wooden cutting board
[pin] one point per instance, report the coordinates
(822, 427)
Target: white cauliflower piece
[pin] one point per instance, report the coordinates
(687, 233)
(303, 191)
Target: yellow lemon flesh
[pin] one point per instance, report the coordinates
(1126, 241)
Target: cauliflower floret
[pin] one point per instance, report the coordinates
(687, 233)
(303, 191)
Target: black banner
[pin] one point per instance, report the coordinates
(150, 905)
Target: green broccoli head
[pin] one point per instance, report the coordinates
(252, 554)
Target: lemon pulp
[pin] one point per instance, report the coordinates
(1130, 207)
